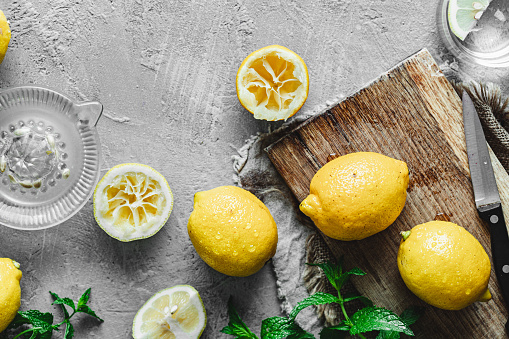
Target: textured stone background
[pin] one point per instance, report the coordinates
(165, 72)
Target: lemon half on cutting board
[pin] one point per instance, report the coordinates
(174, 313)
(272, 83)
(132, 201)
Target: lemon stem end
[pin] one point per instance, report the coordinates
(16, 264)
(405, 234)
(485, 296)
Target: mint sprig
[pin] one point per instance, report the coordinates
(368, 319)
(42, 323)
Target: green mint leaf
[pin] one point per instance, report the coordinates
(69, 330)
(62, 302)
(364, 300)
(86, 309)
(388, 335)
(332, 272)
(346, 275)
(84, 298)
(18, 321)
(376, 318)
(236, 326)
(318, 298)
(38, 319)
(335, 274)
(281, 328)
(411, 315)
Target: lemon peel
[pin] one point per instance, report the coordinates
(357, 195)
(10, 291)
(232, 230)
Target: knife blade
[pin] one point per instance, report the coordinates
(486, 195)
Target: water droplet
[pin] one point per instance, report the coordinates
(31, 123)
(52, 182)
(40, 124)
(61, 145)
(248, 226)
(62, 166)
(235, 253)
(251, 248)
(12, 128)
(218, 236)
(57, 135)
(256, 234)
(58, 176)
(64, 155)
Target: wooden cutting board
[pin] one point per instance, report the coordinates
(411, 113)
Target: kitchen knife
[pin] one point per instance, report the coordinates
(487, 198)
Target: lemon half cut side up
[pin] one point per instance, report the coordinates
(463, 15)
(132, 201)
(174, 313)
(272, 83)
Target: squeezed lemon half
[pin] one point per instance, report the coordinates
(174, 313)
(132, 201)
(272, 83)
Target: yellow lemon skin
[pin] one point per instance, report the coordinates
(10, 292)
(5, 35)
(357, 195)
(232, 230)
(444, 265)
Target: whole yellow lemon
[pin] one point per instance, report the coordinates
(10, 292)
(444, 265)
(5, 35)
(357, 195)
(232, 230)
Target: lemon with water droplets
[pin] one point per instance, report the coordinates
(357, 195)
(174, 313)
(5, 35)
(10, 292)
(444, 265)
(232, 230)
(132, 201)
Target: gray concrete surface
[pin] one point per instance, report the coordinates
(165, 72)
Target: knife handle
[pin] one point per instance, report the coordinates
(499, 249)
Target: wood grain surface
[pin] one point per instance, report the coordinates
(411, 113)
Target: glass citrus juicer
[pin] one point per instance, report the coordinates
(49, 156)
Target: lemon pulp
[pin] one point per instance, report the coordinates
(272, 83)
(173, 313)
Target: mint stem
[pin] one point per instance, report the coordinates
(29, 330)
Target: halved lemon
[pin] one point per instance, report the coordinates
(132, 201)
(272, 83)
(174, 313)
(464, 14)
(5, 35)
